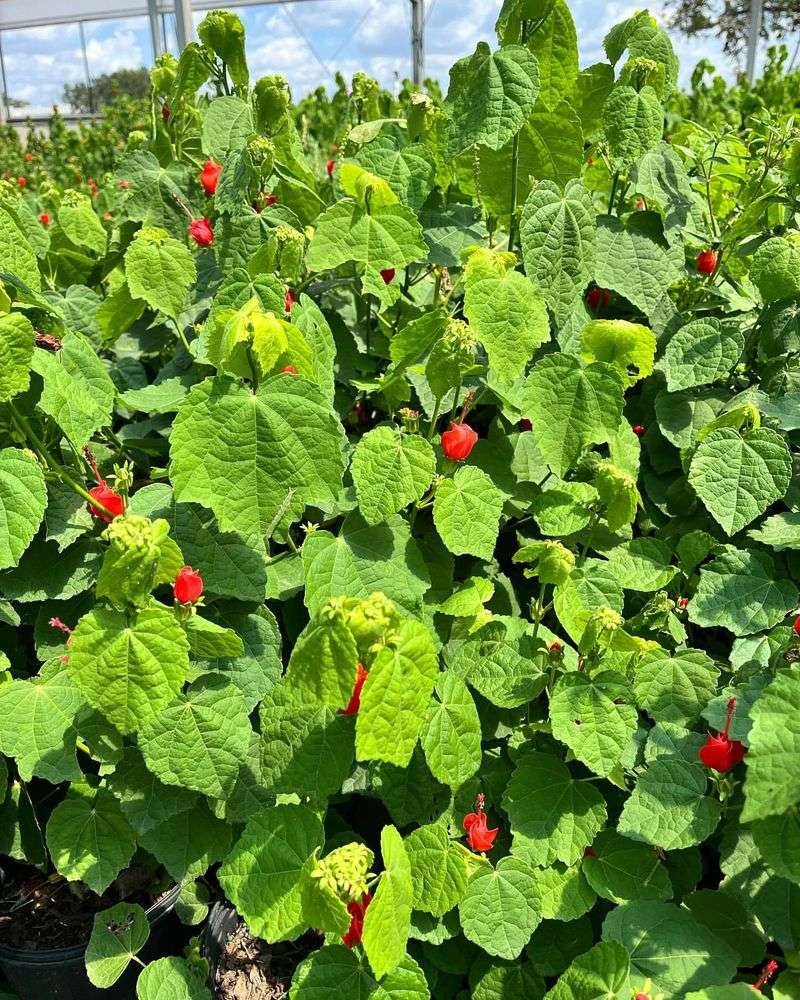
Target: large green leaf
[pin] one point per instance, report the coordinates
(16, 255)
(16, 352)
(501, 909)
(439, 870)
(171, 979)
(390, 470)
(387, 237)
(334, 972)
(601, 972)
(675, 688)
(619, 869)
(118, 934)
(466, 512)
(633, 122)
(451, 732)
(772, 783)
(388, 918)
(23, 499)
(159, 270)
(701, 352)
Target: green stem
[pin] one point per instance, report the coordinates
(539, 610)
(614, 183)
(182, 335)
(434, 418)
(455, 401)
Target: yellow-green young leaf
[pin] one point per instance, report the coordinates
(387, 237)
(369, 190)
(16, 255)
(129, 666)
(88, 838)
(387, 921)
(629, 347)
(118, 934)
(700, 353)
(23, 499)
(408, 170)
(466, 512)
(501, 908)
(675, 688)
(590, 715)
(118, 312)
(171, 979)
(78, 392)
(322, 666)
(439, 870)
(619, 869)
(78, 219)
(738, 476)
(159, 270)
(16, 351)
(564, 508)
(507, 313)
(451, 733)
(256, 460)
(262, 874)
(571, 407)
(633, 121)
(618, 493)
(223, 33)
(490, 96)
(395, 696)
(198, 741)
(603, 971)
(132, 559)
(390, 470)
(557, 231)
(327, 971)
(772, 783)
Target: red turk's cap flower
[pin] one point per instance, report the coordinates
(525, 424)
(29, 157)
(201, 232)
(21, 182)
(124, 185)
(590, 852)
(767, 973)
(796, 625)
(356, 928)
(642, 996)
(388, 275)
(682, 602)
(459, 441)
(330, 166)
(479, 837)
(44, 218)
(555, 647)
(109, 499)
(289, 370)
(640, 205)
(165, 111)
(270, 199)
(639, 430)
(352, 707)
(719, 752)
(188, 586)
(209, 176)
(707, 261)
(597, 298)
(288, 301)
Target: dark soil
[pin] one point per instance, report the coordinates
(250, 969)
(38, 911)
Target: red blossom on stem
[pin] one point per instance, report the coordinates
(289, 370)
(639, 429)
(330, 167)
(288, 301)
(525, 424)
(188, 586)
(458, 442)
(105, 496)
(209, 176)
(707, 261)
(597, 298)
(44, 218)
(767, 973)
(479, 837)
(357, 912)
(796, 625)
(201, 232)
(719, 752)
(21, 182)
(388, 275)
(352, 707)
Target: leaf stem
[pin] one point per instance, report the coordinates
(434, 418)
(614, 183)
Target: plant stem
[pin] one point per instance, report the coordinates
(455, 401)
(614, 183)
(434, 418)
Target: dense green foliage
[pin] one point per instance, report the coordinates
(482, 436)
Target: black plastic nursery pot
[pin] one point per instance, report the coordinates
(60, 973)
(222, 922)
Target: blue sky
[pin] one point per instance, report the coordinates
(306, 41)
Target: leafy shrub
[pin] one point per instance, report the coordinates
(411, 533)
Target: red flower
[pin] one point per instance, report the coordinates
(329, 166)
(352, 707)
(555, 647)
(682, 602)
(597, 298)
(767, 973)
(201, 232)
(188, 586)
(123, 185)
(640, 205)
(388, 275)
(796, 625)
(459, 441)
(21, 182)
(92, 184)
(109, 499)
(29, 157)
(356, 928)
(639, 430)
(642, 996)
(209, 176)
(479, 837)
(288, 301)
(525, 424)
(270, 199)
(719, 752)
(165, 111)
(44, 218)
(707, 261)
(289, 370)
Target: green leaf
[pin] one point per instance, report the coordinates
(395, 696)
(155, 192)
(668, 946)
(364, 559)
(388, 237)
(43, 573)
(77, 218)
(701, 352)
(781, 531)
(211, 641)
(408, 170)
(388, 918)
(67, 515)
(669, 807)
(553, 816)
(262, 874)
(390, 470)
(466, 512)
(506, 312)
(322, 666)
(118, 934)
(37, 724)
(642, 564)
(227, 125)
(772, 784)
(287, 451)
(16, 255)
(564, 508)
(743, 591)
(146, 803)
(602, 972)
(555, 45)
(159, 270)
(590, 716)
(23, 499)
(675, 688)
(499, 661)
(78, 393)
(439, 870)
(571, 407)
(778, 841)
(88, 838)
(619, 869)
(198, 740)
(738, 476)
(563, 892)
(501, 909)
(171, 979)
(594, 84)
(16, 351)
(633, 121)
(557, 231)
(490, 96)
(129, 666)
(334, 972)
(775, 269)
(451, 732)
(188, 843)
(629, 347)
(729, 917)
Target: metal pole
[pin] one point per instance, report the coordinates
(418, 41)
(756, 15)
(184, 25)
(86, 66)
(155, 28)
(4, 112)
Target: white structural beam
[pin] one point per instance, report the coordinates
(418, 41)
(756, 16)
(184, 24)
(154, 17)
